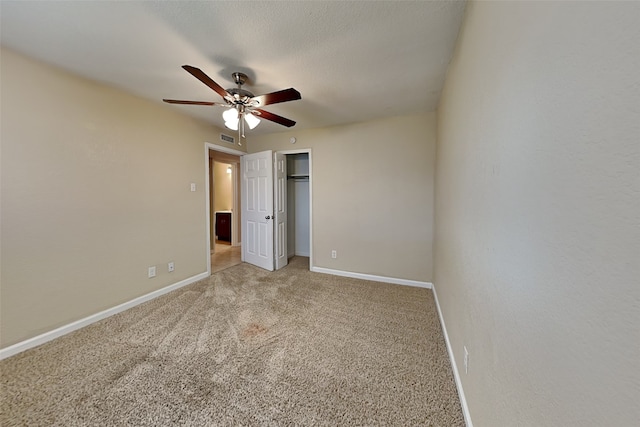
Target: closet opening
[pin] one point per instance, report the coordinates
(298, 205)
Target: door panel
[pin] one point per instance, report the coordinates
(257, 209)
(280, 197)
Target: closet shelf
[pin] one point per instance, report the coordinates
(298, 176)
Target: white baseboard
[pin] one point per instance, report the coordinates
(456, 373)
(63, 330)
(395, 281)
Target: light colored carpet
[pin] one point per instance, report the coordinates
(246, 347)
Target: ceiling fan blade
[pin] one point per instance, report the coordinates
(275, 97)
(274, 118)
(200, 75)
(176, 101)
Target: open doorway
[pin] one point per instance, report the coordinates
(223, 214)
(224, 253)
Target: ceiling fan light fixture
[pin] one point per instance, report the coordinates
(251, 120)
(230, 117)
(233, 125)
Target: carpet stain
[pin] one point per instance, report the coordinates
(253, 330)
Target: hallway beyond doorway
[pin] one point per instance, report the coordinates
(225, 256)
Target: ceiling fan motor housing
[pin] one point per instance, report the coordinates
(241, 96)
(237, 92)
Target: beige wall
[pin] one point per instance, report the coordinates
(223, 199)
(95, 189)
(372, 194)
(537, 207)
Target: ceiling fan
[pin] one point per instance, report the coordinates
(240, 103)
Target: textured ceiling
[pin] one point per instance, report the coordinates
(351, 61)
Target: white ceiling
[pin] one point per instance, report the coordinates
(351, 60)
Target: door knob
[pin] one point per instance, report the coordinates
(267, 217)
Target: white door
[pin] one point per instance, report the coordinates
(280, 196)
(257, 209)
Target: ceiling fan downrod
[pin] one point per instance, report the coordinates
(240, 96)
(239, 78)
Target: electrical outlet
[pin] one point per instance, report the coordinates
(466, 360)
(171, 266)
(152, 272)
(334, 254)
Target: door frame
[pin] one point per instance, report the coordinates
(309, 152)
(236, 201)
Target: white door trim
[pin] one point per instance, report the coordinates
(308, 151)
(236, 202)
